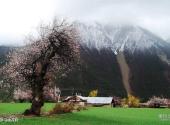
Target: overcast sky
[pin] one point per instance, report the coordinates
(21, 17)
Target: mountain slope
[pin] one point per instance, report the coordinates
(144, 55)
(119, 60)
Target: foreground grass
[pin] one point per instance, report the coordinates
(92, 116)
(18, 108)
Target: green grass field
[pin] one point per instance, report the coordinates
(92, 116)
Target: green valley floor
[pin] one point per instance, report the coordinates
(91, 116)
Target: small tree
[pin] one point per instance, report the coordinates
(131, 101)
(93, 93)
(41, 61)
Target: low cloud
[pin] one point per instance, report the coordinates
(20, 18)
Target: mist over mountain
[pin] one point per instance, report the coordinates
(168, 40)
(119, 60)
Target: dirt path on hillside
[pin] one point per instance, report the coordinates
(125, 71)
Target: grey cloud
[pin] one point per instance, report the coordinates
(151, 14)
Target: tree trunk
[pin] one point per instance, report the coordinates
(37, 102)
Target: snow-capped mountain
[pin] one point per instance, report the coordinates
(118, 38)
(121, 59)
(117, 60)
(168, 40)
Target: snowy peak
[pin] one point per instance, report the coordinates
(117, 38)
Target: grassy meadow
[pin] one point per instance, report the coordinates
(91, 116)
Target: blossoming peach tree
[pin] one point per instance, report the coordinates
(42, 59)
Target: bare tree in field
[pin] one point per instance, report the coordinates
(43, 59)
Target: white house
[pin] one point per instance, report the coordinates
(93, 100)
(98, 100)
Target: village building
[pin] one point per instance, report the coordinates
(98, 101)
(78, 100)
(94, 101)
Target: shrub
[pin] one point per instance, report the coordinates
(22, 95)
(93, 93)
(167, 102)
(130, 101)
(79, 108)
(61, 108)
(156, 102)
